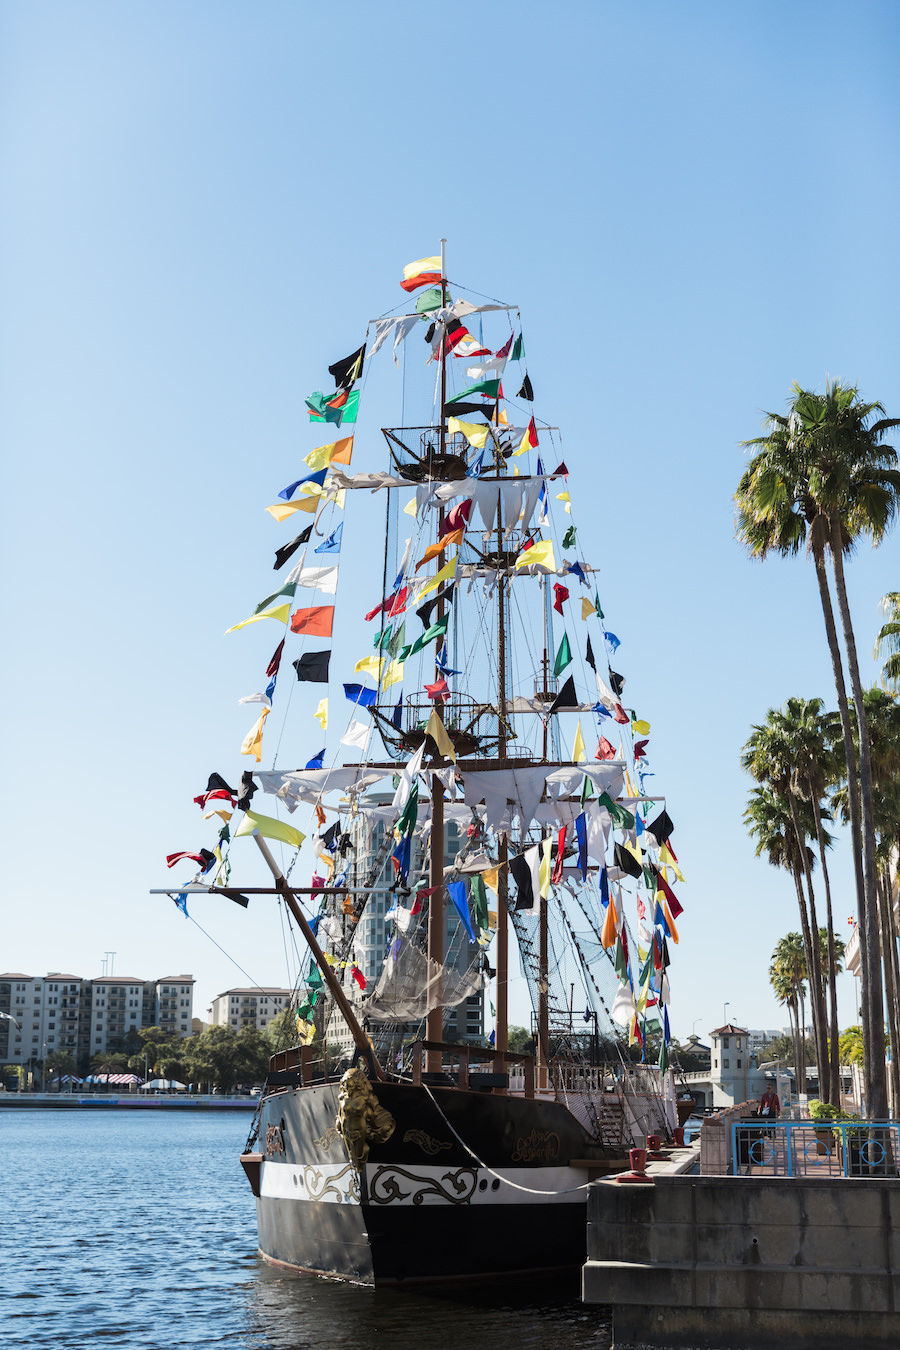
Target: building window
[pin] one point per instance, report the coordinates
(715, 1063)
(725, 1064)
(724, 1042)
(739, 1063)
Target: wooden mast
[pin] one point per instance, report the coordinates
(501, 1030)
(434, 1019)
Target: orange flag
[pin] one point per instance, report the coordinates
(432, 551)
(608, 936)
(317, 621)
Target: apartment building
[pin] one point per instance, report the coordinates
(86, 1017)
(238, 1008)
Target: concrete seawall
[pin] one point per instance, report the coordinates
(65, 1101)
(702, 1262)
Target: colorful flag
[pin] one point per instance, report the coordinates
(282, 554)
(252, 742)
(280, 612)
(270, 828)
(490, 389)
(538, 558)
(560, 593)
(476, 435)
(433, 550)
(422, 272)
(313, 667)
(345, 373)
(333, 543)
(320, 409)
(281, 510)
(445, 573)
(317, 621)
(578, 747)
(529, 441)
(318, 478)
(563, 656)
(604, 749)
(335, 452)
(321, 714)
(438, 732)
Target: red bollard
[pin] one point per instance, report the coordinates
(654, 1151)
(679, 1136)
(638, 1159)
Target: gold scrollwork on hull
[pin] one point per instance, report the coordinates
(385, 1186)
(319, 1186)
(425, 1141)
(361, 1119)
(325, 1140)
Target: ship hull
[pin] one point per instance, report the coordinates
(422, 1208)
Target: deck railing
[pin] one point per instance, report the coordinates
(806, 1148)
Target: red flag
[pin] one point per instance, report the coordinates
(358, 976)
(667, 891)
(505, 349)
(457, 519)
(218, 795)
(439, 691)
(560, 593)
(640, 752)
(317, 620)
(560, 471)
(272, 667)
(604, 749)
(557, 876)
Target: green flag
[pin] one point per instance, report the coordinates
(621, 818)
(489, 387)
(587, 790)
(563, 656)
(569, 537)
(429, 300)
(518, 350)
(407, 822)
(478, 901)
(398, 639)
(619, 961)
(663, 1057)
(430, 635)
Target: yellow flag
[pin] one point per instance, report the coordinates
(665, 857)
(671, 922)
(635, 851)
(252, 742)
(446, 572)
(587, 608)
(475, 433)
(564, 497)
(284, 510)
(544, 869)
(539, 555)
(491, 878)
(393, 674)
(438, 733)
(371, 665)
(640, 726)
(270, 828)
(321, 714)
(280, 612)
(338, 452)
(415, 269)
(578, 747)
(410, 508)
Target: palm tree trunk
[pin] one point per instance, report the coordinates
(870, 964)
(832, 959)
(813, 961)
(800, 1067)
(890, 985)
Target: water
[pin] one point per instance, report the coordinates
(138, 1229)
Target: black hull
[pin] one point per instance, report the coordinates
(423, 1210)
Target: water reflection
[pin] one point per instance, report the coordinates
(308, 1313)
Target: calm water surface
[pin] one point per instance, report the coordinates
(138, 1229)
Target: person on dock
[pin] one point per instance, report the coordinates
(769, 1105)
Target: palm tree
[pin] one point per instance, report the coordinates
(822, 476)
(770, 756)
(786, 975)
(888, 641)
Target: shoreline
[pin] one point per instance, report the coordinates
(150, 1101)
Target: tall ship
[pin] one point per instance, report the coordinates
(480, 819)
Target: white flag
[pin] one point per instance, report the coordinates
(407, 778)
(357, 735)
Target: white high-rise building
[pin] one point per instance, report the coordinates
(238, 1008)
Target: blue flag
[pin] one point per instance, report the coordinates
(361, 694)
(575, 567)
(612, 640)
(457, 893)
(581, 835)
(318, 760)
(181, 902)
(288, 492)
(333, 543)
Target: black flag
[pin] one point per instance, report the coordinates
(348, 371)
(313, 666)
(526, 391)
(282, 554)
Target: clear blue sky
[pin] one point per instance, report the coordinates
(694, 205)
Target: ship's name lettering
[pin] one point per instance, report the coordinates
(538, 1146)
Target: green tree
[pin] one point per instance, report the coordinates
(852, 1046)
(281, 1033)
(163, 1055)
(787, 975)
(822, 476)
(223, 1057)
(58, 1064)
(887, 644)
(770, 756)
(521, 1041)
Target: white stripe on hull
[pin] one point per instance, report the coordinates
(396, 1185)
